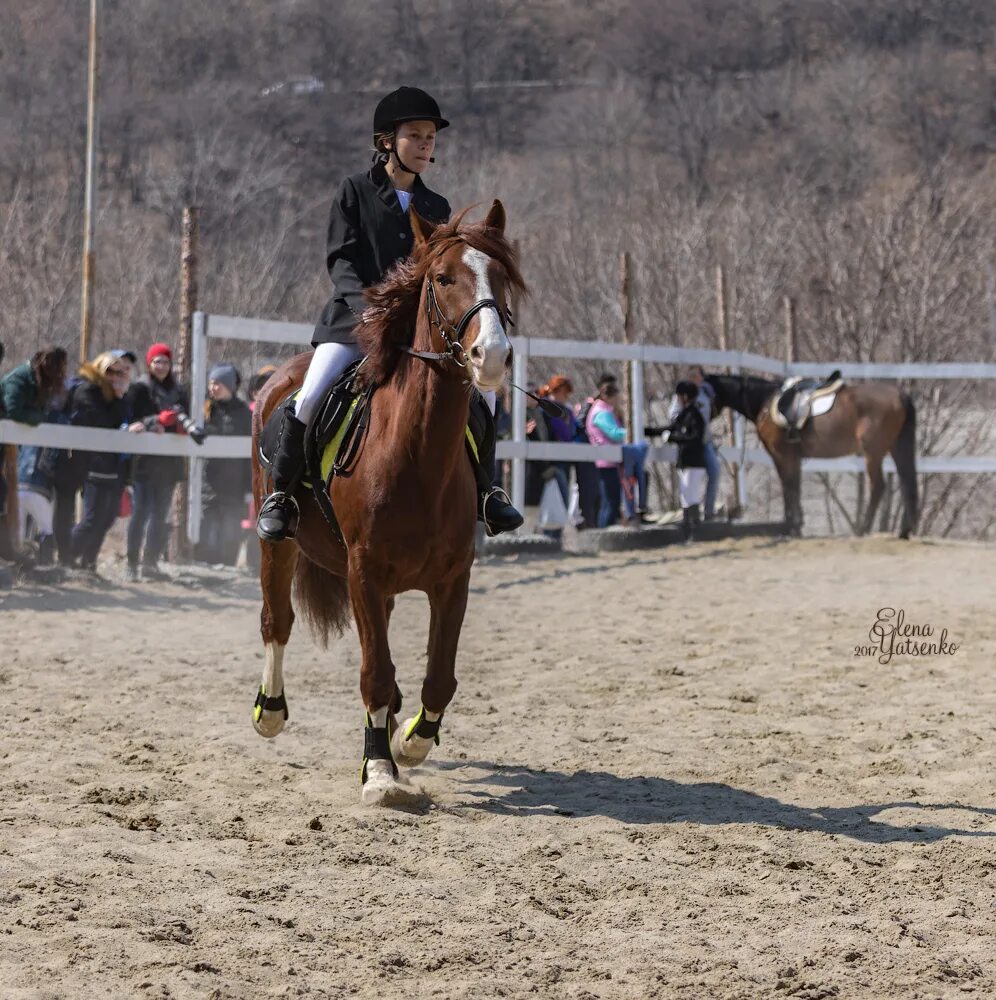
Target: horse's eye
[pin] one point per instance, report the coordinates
(443, 280)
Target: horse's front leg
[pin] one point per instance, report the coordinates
(873, 465)
(276, 577)
(371, 610)
(415, 737)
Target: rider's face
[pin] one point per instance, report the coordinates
(415, 142)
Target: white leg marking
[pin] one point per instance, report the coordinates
(270, 723)
(410, 749)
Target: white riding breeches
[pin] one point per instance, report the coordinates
(329, 362)
(690, 483)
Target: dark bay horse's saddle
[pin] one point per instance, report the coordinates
(801, 398)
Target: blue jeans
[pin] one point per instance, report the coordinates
(150, 510)
(713, 469)
(634, 467)
(101, 503)
(610, 495)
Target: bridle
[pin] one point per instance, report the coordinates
(453, 335)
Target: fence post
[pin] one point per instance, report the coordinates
(636, 422)
(520, 368)
(625, 302)
(723, 329)
(188, 305)
(198, 390)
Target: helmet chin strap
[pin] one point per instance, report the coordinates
(400, 162)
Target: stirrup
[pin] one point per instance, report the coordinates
(490, 529)
(284, 508)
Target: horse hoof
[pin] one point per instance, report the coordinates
(409, 752)
(382, 788)
(268, 724)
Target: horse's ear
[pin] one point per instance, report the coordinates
(496, 217)
(422, 229)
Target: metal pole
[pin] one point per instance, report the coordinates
(91, 178)
(198, 390)
(520, 367)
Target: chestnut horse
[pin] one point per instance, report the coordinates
(433, 335)
(870, 419)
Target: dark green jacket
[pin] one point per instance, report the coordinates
(19, 396)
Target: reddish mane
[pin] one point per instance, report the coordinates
(394, 302)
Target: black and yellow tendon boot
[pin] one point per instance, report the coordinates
(279, 514)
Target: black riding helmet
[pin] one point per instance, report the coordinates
(406, 104)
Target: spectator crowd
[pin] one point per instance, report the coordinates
(67, 499)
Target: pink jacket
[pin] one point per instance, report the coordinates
(595, 436)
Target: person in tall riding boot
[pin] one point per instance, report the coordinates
(687, 431)
(368, 232)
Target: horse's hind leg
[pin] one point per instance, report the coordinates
(415, 737)
(276, 577)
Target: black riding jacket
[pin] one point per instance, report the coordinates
(368, 233)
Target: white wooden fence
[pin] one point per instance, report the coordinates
(519, 450)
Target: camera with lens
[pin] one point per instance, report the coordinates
(195, 433)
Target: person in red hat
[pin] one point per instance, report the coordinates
(369, 231)
(159, 401)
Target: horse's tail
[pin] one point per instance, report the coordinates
(904, 455)
(322, 598)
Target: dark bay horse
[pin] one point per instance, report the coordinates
(433, 335)
(870, 419)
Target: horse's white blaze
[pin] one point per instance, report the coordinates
(270, 723)
(491, 340)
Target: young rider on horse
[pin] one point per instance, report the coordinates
(369, 231)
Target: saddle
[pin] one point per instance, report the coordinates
(334, 437)
(801, 398)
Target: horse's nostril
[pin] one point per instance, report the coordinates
(476, 354)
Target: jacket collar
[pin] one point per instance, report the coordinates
(379, 178)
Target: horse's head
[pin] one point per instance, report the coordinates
(469, 272)
(720, 392)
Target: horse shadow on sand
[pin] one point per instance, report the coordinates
(525, 791)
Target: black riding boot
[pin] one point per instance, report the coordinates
(494, 508)
(279, 513)
(689, 519)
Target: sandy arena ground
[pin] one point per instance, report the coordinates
(665, 774)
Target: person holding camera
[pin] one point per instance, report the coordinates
(161, 403)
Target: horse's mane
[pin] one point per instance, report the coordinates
(389, 324)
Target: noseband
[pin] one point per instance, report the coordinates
(452, 335)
